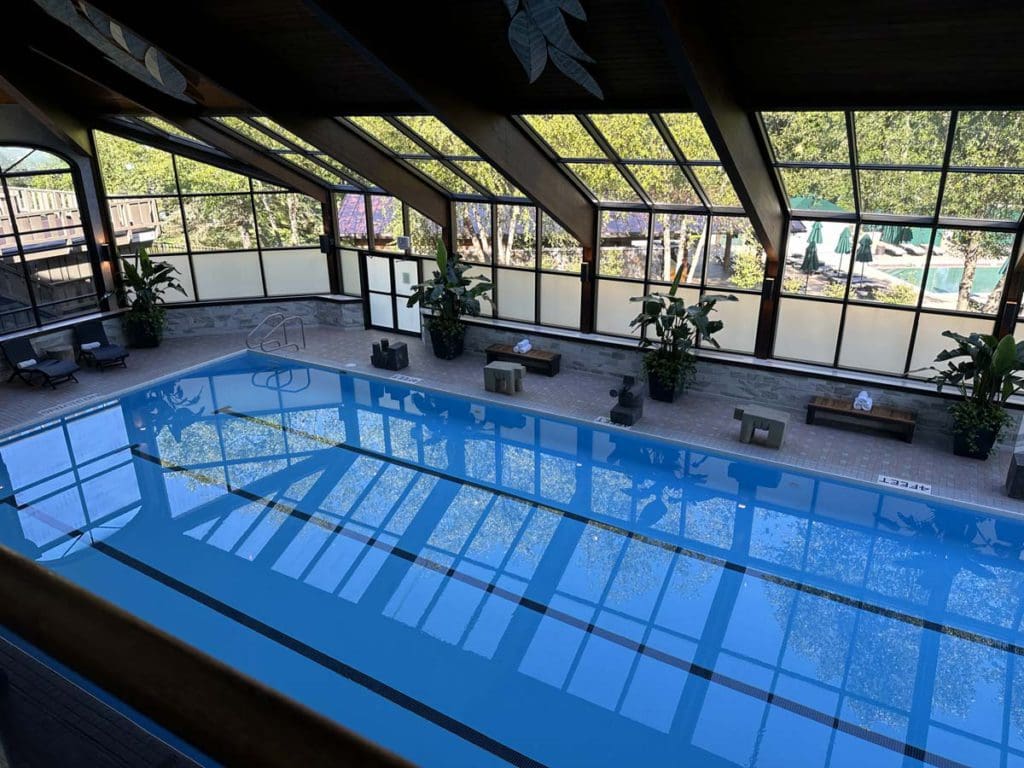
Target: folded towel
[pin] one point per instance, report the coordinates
(862, 402)
(91, 345)
(522, 347)
(30, 363)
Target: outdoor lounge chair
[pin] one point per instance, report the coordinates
(32, 367)
(95, 348)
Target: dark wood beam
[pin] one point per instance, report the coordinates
(492, 134)
(734, 134)
(352, 150)
(65, 127)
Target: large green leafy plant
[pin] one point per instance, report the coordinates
(671, 330)
(449, 294)
(987, 371)
(142, 289)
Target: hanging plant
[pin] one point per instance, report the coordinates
(538, 32)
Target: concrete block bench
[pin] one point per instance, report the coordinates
(506, 378)
(753, 417)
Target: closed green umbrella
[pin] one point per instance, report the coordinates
(845, 244)
(863, 254)
(810, 263)
(890, 234)
(815, 237)
(905, 235)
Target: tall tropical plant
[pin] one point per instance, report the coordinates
(670, 330)
(142, 288)
(987, 372)
(449, 295)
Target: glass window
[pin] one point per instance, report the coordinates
(818, 189)
(220, 223)
(623, 245)
(967, 270)
(517, 236)
(438, 135)
(809, 137)
(716, 185)
(864, 327)
(678, 240)
(901, 138)
(350, 217)
(387, 222)
(888, 263)
(150, 222)
(473, 231)
(516, 290)
(666, 184)
(130, 168)
(688, 131)
(818, 257)
(632, 136)
(487, 177)
(559, 251)
(907, 193)
(194, 176)
(987, 196)
(989, 139)
(807, 330)
(605, 182)
(566, 137)
(388, 135)
(252, 133)
(448, 180)
(287, 220)
(424, 233)
(735, 257)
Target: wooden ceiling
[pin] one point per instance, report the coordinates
(287, 57)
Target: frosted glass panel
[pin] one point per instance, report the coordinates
(228, 275)
(378, 273)
(740, 318)
(303, 270)
(406, 276)
(351, 283)
(380, 310)
(807, 330)
(930, 341)
(184, 277)
(408, 317)
(515, 293)
(560, 300)
(614, 309)
(876, 339)
(486, 307)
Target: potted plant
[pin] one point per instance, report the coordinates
(671, 330)
(142, 289)
(449, 295)
(986, 371)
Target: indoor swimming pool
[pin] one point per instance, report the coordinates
(471, 584)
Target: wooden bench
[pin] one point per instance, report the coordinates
(535, 360)
(900, 422)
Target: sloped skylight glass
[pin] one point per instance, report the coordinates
(388, 135)
(901, 138)
(171, 130)
(632, 136)
(808, 137)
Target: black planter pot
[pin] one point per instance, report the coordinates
(140, 336)
(447, 346)
(666, 392)
(984, 439)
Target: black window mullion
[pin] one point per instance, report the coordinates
(27, 276)
(184, 228)
(614, 158)
(680, 158)
(259, 243)
(435, 154)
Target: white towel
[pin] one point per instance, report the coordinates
(91, 345)
(522, 347)
(862, 402)
(30, 363)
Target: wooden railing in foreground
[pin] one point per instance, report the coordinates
(225, 714)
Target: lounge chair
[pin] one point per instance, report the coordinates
(95, 348)
(32, 367)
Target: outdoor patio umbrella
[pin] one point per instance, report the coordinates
(863, 254)
(845, 244)
(810, 263)
(890, 234)
(905, 235)
(815, 237)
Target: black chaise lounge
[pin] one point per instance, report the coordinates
(33, 367)
(95, 348)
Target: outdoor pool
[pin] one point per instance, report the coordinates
(947, 279)
(471, 584)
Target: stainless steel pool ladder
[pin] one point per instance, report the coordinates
(275, 336)
(281, 381)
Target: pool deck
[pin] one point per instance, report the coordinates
(699, 420)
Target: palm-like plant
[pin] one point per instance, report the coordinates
(987, 371)
(670, 329)
(142, 288)
(449, 295)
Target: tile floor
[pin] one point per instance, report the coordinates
(697, 419)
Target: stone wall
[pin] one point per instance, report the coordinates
(785, 390)
(199, 319)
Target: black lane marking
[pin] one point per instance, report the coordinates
(773, 699)
(393, 695)
(852, 602)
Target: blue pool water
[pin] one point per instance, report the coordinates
(474, 585)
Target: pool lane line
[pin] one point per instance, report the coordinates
(769, 697)
(766, 576)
